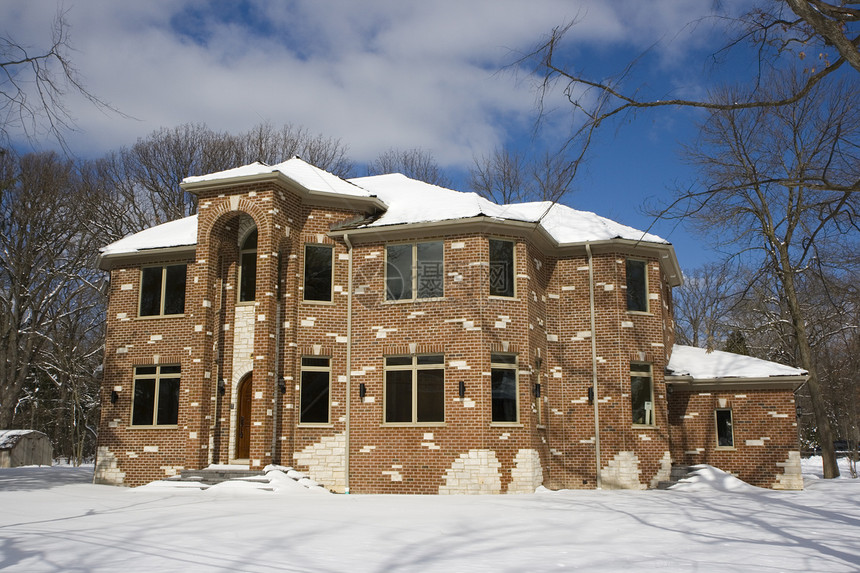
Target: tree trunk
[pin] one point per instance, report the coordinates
(822, 421)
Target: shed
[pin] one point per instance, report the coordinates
(24, 448)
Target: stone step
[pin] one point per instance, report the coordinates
(215, 476)
(678, 473)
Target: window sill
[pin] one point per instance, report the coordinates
(645, 427)
(315, 425)
(157, 316)
(640, 312)
(725, 449)
(499, 297)
(413, 300)
(319, 302)
(158, 427)
(413, 424)
(506, 425)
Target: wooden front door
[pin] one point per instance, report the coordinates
(243, 420)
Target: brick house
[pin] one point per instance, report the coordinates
(384, 335)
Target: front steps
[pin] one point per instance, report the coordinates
(209, 477)
(679, 472)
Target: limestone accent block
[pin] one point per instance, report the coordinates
(622, 472)
(243, 341)
(527, 475)
(792, 477)
(475, 472)
(665, 471)
(326, 461)
(106, 470)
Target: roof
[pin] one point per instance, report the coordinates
(296, 170)
(410, 201)
(8, 438)
(178, 233)
(403, 201)
(698, 365)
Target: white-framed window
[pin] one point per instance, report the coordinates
(319, 263)
(156, 396)
(637, 285)
(162, 290)
(414, 271)
(315, 391)
(503, 376)
(415, 389)
(502, 268)
(725, 434)
(642, 394)
(248, 268)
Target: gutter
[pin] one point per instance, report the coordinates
(594, 365)
(348, 362)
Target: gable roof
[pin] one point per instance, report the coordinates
(699, 368)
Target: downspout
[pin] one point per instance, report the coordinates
(276, 403)
(594, 364)
(348, 363)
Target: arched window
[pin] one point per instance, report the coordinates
(248, 268)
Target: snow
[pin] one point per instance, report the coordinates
(409, 201)
(178, 233)
(308, 176)
(412, 201)
(53, 519)
(698, 363)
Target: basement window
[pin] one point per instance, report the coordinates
(315, 390)
(642, 394)
(414, 271)
(637, 286)
(156, 396)
(415, 389)
(162, 290)
(318, 273)
(725, 435)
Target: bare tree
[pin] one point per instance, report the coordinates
(43, 246)
(509, 176)
(269, 145)
(781, 33)
(753, 163)
(34, 85)
(702, 304)
(416, 163)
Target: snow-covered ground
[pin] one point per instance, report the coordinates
(53, 519)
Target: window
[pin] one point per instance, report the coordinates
(248, 268)
(642, 394)
(415, 389)
(637, 286)
(318, 272)
(156, 396)
(501, 268)
(315, 390)
(725, 436)
(414, 271)
(162, 290)
(504, 387)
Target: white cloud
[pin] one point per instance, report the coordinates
(377, 74)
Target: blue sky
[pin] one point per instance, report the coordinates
(389, 74)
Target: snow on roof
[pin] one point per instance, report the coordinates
(412, 201)
(173, 234)
(408, 201)
(8, 438)
(698, 363)
(308, 176)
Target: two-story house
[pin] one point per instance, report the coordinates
(385, 335)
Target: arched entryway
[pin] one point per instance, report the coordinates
(243, 419)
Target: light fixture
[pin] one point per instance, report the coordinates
(590, 395)
(462, 389)
(362, 390)
(114, 396)
(222, 387)
(282, 386)
(537, 390)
